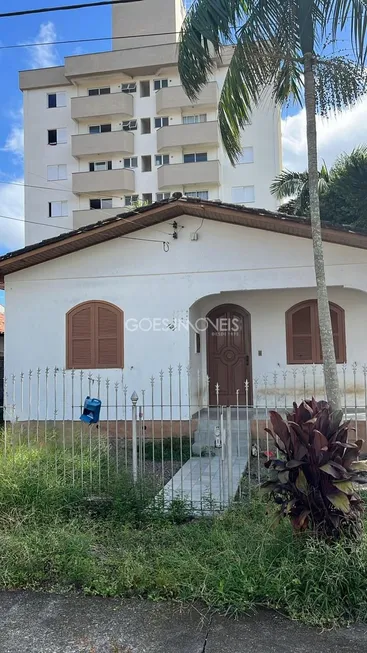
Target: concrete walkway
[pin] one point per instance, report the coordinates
(206, 482)
(210, 482)
(49, 623)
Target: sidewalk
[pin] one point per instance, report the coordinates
(50, 623)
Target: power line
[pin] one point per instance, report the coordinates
(43, 10)
(55, 226)
(67, 190)
(92, 40)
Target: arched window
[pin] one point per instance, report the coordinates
(94, 336)
(303, 333)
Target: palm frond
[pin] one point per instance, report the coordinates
(347, 13)
(247, 74)
(207, 23)
(288, 184)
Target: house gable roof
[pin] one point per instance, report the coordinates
(146, 216)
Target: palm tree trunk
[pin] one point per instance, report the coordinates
(326, 333)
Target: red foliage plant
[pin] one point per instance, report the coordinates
(316, 476)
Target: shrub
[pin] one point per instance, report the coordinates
(314, 481)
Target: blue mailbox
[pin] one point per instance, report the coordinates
(92, 408)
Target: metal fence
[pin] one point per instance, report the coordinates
(167, 434)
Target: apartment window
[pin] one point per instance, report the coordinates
(57, 209)
(160, 83)
(303, 333)
(55, 100)
(195, 157)
(162, 196)
(99, 91)
(189, 120)
(146, 163)
(131, 199)
(161, 159)
(145, 126)
(160, 122)
(131, 163)
(199, 194)
(147, 198)
(243, 194)
(246, 156)
(129, 125)
(99, 129)
(95, 336)
(57, 136)
(129, 88)
(55, 173)
(105, 203)
(145, 89)
(97, 166)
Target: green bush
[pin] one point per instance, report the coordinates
(168, 449)
(314, 481)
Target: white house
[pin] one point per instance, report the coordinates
(227, 291)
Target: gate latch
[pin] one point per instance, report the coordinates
(218, 439)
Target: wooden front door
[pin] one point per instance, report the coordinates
(229, 354)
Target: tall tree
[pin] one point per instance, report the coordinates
(278, 44)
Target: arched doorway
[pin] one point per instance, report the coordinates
(229, 354)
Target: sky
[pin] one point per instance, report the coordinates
(335, 135)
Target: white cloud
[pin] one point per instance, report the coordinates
(336, 134)
(15, 141)
(11, 205)
(44, 56)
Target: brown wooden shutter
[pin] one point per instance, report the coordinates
(303, 333)
(108, 336)
(80, 337)
(95, 336)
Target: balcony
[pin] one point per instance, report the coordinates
(83, 218)
(104, 181)
(177, 175)
(201, 133)
(102, 106)
(174, 97)
(116, 142)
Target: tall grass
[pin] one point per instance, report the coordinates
(122, 544)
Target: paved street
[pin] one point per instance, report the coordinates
(49, 623)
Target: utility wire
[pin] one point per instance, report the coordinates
(44, 224)
(68, 190)
(92, 40)
(44, 10)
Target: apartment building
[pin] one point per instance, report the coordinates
(106, 130)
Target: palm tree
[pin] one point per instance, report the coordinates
(278, 44)
(293, 187)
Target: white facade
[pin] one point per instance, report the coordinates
(264, 272)
(247, 183)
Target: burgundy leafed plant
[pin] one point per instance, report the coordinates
(315, 479)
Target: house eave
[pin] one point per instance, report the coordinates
(147, 216)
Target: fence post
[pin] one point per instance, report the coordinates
(134, 399)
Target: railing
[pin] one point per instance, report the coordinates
(168, 434)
